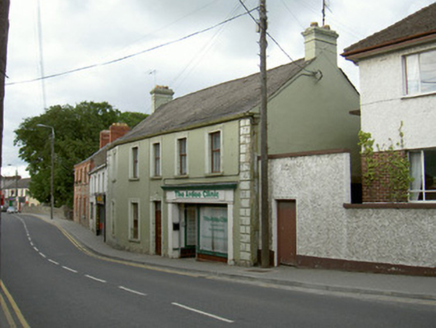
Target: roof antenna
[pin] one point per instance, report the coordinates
(325, 4)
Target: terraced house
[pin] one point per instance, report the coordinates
(185, 181)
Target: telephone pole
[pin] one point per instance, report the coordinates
(263, 137)
(4, 31)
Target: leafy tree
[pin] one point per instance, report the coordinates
(77, 136)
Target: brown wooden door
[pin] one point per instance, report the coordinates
(158, 228)
(287, 232)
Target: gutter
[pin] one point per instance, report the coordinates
(355, 55)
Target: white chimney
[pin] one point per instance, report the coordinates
(320, 40)
(160, 95)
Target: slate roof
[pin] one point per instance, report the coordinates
(212, 104)
(420, 24)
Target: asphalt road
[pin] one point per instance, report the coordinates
(55, 284)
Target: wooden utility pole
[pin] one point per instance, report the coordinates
(4, 31)
(263, 137)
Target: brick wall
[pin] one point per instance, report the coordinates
(380, 189)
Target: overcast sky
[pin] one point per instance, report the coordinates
(78, 33)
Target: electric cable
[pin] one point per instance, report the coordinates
(128, 56)
(274, 40)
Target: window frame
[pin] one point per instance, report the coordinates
(182, 157)
(134, 217)
(156, 160)
(134, 162)
(215, 152)
(422, 193)
(407, 90)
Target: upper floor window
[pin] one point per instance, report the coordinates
(182, 156)
(420, 73)
(156, 160)
(134, 163)
(423, 172)
(215, 152)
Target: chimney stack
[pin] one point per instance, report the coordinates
(320, 40)
(104, 138)
(160, 95)
(116, 130)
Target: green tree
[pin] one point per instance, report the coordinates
(77, 137)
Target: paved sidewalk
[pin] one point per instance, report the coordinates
(361, 284)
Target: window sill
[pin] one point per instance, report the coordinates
(211, 175)
(418, 95)
(411, 205)
(156, 178)
(185, 176)
(136, 241)
(133, 179)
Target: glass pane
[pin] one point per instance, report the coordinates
(428, 71)
(412, 74)
(182, 146)
(216, 140)
(213, 229)
(216, 162)
(430, 173)
(183, 165)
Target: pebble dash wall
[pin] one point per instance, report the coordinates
(326, 229)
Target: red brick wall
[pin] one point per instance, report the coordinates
(117, 130)
(380, 190)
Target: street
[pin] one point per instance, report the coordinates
(55, 284)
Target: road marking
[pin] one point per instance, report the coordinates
(69, 269)
(54, 262)
(14, 306)
(43, 255)
(203, 313)
(96, 279)
(36, 249)
(131, 291)
(6, 312)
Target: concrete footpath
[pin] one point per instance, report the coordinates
(410, 288)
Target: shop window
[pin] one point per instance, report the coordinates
(423, 172)
(420, 73)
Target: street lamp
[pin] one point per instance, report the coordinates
(52, 166)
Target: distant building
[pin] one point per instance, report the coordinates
(84, 209)
(15, 192)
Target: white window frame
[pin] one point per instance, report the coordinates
(409, 70)
(418, 187)
(134, 166)
(178, 156)
(153, 171)
(209, 163)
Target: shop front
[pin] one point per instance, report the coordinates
(201, 221)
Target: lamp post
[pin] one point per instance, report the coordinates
(52, 167)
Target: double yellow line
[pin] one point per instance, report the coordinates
(4, 305)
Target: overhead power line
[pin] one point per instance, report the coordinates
(131, 55)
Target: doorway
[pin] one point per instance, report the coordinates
(286, 232)
(158, 228)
